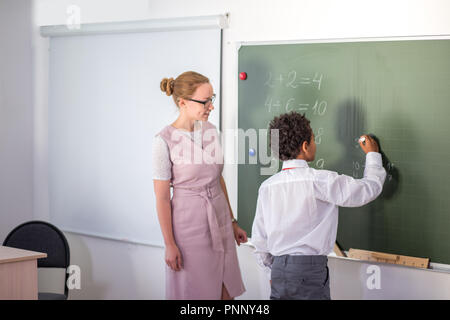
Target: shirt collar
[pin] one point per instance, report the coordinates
(295, 163)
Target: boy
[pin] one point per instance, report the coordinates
(296, 216)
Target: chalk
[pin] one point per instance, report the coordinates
(362, 139)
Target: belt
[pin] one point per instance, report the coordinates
(302, 259)
(207, 192)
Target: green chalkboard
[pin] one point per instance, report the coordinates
(399, 91)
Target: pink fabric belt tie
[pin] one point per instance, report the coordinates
(206, 192)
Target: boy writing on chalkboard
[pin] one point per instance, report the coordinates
(296, 216)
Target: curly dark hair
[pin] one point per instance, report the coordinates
(293, 129)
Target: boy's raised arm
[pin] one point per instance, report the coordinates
(346, 191)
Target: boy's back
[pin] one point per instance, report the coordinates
(297, 208)
(296, 216)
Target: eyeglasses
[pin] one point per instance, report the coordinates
(207, 103)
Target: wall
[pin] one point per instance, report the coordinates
(16, 114)
(113, 270)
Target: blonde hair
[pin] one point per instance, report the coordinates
(183, 86)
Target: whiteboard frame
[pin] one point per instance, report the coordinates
(106, 237)
(434, 267)
(150, 25)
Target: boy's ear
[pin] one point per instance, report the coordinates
(305, 146)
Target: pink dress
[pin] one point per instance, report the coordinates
(201, 220)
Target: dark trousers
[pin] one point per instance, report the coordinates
(300, 278)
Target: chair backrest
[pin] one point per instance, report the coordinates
(44, 237)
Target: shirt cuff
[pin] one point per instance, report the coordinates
(265, 260)
(374, 158)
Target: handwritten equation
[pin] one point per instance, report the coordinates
(276, 105)
(358, 170)
(292, 80)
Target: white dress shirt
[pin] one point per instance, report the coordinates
(297, 209)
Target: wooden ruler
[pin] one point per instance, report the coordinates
(389, 258)
(338, 250)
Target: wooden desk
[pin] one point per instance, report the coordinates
(18, 273)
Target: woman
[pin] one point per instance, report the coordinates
(197, 223)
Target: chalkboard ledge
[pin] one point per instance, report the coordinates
(434, 267)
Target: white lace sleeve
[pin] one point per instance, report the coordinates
(162, 166)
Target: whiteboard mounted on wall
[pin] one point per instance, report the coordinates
(105, 106)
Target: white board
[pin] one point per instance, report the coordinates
(105, 106)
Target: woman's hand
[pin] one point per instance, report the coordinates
(239, 234)
(173, 258)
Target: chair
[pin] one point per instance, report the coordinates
(43, 237)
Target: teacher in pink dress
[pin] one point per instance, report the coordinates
(199, 230)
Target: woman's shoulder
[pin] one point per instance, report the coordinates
(163, 132)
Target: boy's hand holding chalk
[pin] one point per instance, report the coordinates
(368, 144)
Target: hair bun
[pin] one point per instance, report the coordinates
(167, 85)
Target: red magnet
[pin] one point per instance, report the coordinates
(242, 75)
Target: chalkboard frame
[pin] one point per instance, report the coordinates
(433, 266)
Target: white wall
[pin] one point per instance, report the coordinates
(16, 115)
(113, 269)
